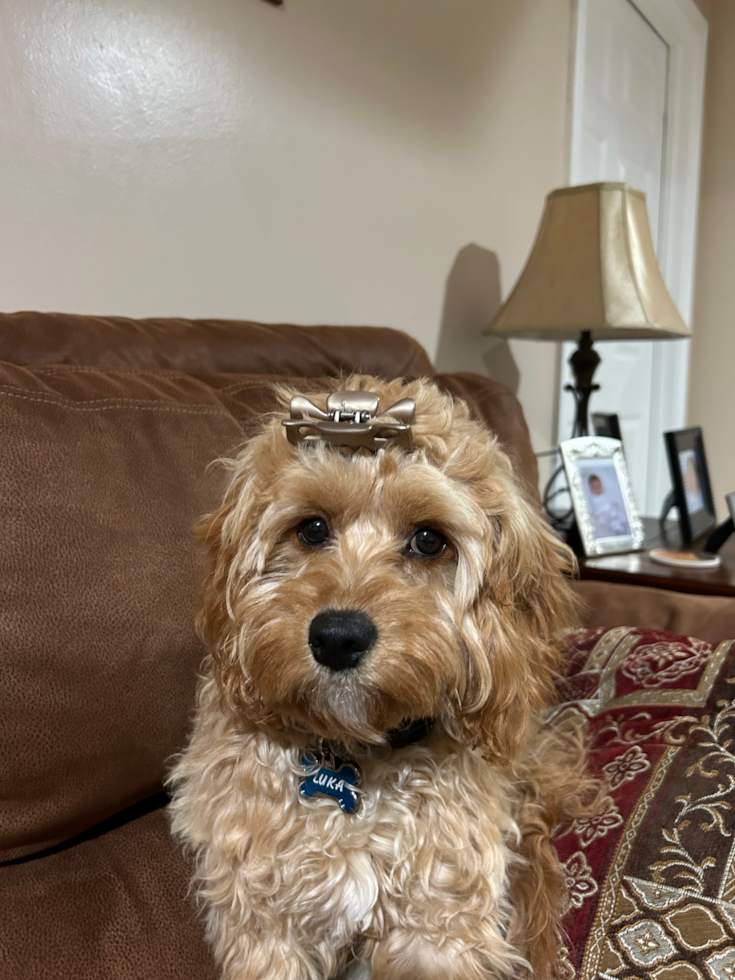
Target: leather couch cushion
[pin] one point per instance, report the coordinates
(105, 472)
(209, 346)
(104, 475)
(206, 347)
(114, 907)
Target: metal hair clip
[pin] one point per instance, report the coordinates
(352, 419)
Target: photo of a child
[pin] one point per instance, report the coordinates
(692, 480)
(604, 498)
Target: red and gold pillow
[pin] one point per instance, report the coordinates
(651, 876)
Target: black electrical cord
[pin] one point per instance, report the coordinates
(559, 521)
(563, 522)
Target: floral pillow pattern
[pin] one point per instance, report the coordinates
(651, 874)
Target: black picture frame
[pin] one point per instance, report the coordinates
(690, 478)
(606, 425)
(720, 534)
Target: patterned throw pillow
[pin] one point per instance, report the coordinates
(651, 875)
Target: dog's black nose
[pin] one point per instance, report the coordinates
(339, 637)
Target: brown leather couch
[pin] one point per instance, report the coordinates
(109, 429)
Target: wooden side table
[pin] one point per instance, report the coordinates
(636, 568)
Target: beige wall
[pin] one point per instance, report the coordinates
(712, 383)
(382, 162)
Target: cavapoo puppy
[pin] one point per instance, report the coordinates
(369, 782)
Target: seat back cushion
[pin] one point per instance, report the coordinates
(209, 346)
(104, 476)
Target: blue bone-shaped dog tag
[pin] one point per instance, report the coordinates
(335, 781)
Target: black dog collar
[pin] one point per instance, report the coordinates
(409, 732)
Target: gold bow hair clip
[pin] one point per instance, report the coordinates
(352, 419)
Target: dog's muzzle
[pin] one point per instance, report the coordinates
(339, 638)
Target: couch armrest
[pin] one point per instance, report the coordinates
(608, 604)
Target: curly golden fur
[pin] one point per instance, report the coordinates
(448, 869)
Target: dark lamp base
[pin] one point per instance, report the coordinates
(583, 362)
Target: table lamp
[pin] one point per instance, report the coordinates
(592, 274)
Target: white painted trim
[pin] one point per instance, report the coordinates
(576, 61)
(684, 29)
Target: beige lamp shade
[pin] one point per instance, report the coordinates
(592, 267)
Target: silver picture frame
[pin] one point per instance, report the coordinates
(614, 524)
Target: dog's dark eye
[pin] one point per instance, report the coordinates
(427, 543)
(314, 531)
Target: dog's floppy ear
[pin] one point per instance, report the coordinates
(235, 552)
(524, 603)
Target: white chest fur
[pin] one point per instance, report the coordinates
(434, 820)
(428, 848)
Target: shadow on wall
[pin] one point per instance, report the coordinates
(471, 300)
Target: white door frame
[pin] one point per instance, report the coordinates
(684, 29)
